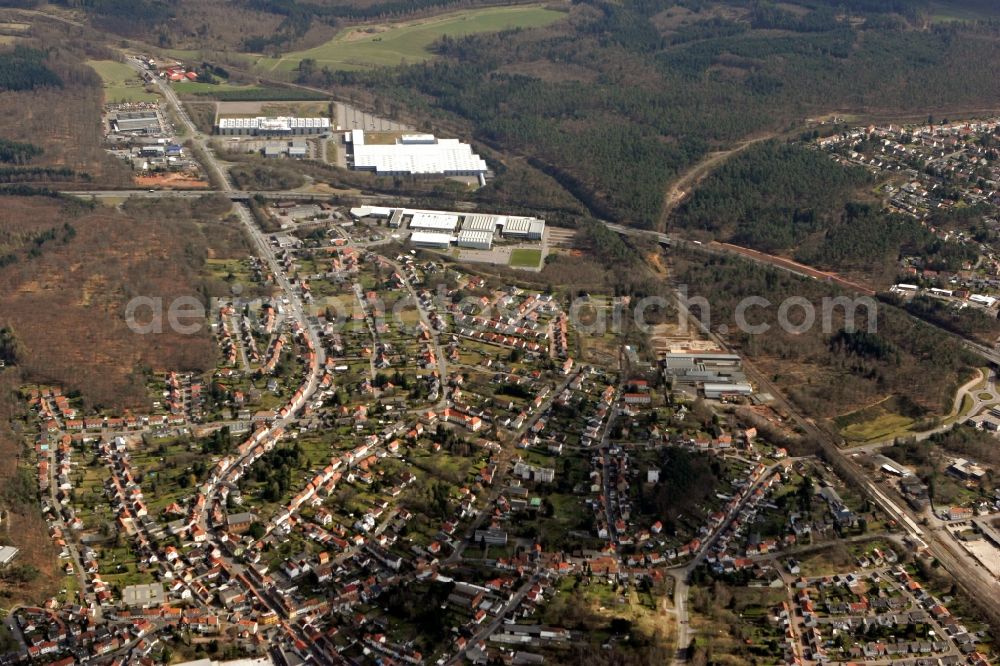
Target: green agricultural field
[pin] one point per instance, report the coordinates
(525, 258)
(199, 87)
(392, 44)
(121, 82)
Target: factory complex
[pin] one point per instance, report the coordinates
(719, 375)
(145, 122)
(272, 126)
(439, 229)
(415, 154)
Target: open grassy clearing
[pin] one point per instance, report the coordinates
(880, 427)
(388, 45)
(201, 88)
(121, 82)
(525, 257)
(971, 10)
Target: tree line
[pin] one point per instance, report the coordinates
(15, 152)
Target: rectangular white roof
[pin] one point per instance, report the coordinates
(275, 124)
(475, 236)
(371, 211)
(481, 222)
(7, 554)
(443, 156)
(439, 221)
(431, 238)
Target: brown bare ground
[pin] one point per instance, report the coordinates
(171, 180)
(67, 305)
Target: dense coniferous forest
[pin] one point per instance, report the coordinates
(772, 196)
(24, 69)
(789, 199)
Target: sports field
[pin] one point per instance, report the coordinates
(525, 258)
(390, 44)
(121, 82)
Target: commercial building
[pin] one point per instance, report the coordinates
(481, 222)
(528, 228)
(717, 391)
(272, 126)
(966, 470)
(416, 154)
(136, 122)
(7, 554)
(477, 240)
(143, 596)
(294, 149)
(434, 221)
(474, 230)
(717, 374)
(430, 239)
(372, 211)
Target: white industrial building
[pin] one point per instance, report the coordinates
(481, 222)
(479, 225)
(715, 391)
(477, 240)
(434, 221)
(7, 554)
(429, 239)
(529, 228)
(415, 154)
(272, 126)
(372, 211)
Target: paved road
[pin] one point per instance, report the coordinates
(681, 575)
(957, 562)
(296, 309)
(970, 574)
(495, 623)
(70, 537)
(968, 389)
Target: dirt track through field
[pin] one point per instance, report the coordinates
(680, 188)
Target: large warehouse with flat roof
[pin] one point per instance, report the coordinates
(481, 222)
(434, 221)
(136, 122)
(523, 227)
(272, 126)
(419, 154)
(432, 240)
(477, 240)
